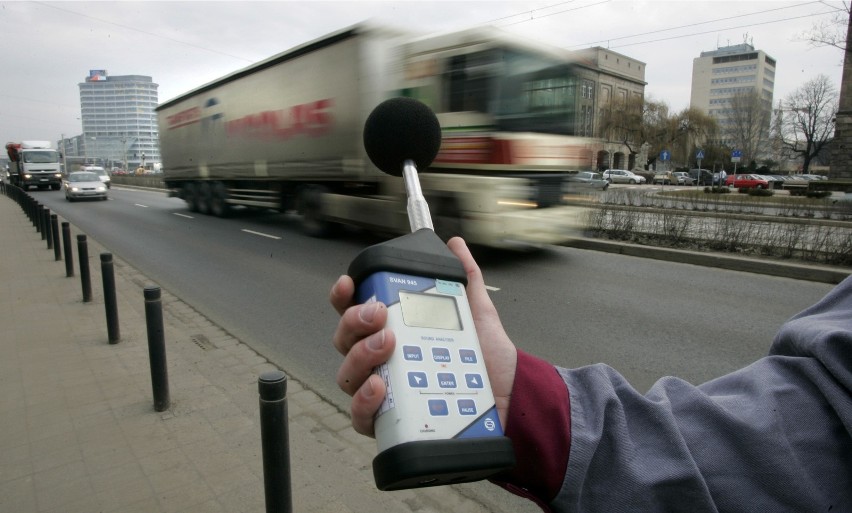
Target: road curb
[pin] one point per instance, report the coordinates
(821, 274)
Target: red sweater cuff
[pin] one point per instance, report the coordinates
(539, 425)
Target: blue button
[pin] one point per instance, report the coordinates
(412, 353)
(467, 407)
(438, 408)
(467, 355)
(446, 380)
(473, 380)
(417, 380)
(441, 354)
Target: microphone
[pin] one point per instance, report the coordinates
(400, 135)
(401, 129)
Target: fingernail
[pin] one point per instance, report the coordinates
(367, 389)
(336, 285)
(368, 312)
(376, 341)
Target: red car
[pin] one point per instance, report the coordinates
(746, 182)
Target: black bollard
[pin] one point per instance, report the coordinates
(157, 348)
(66, 244)
(85, 277)
(48, 228)
(54, 230)
(35, 215)
(110, 304)
(43, 217)
(275, 434)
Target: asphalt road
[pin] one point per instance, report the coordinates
(260, 278)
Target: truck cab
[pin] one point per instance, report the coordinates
(34, 163)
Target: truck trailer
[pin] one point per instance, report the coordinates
(287, 134)
(34, 163)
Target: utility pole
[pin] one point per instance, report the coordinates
(840, 165)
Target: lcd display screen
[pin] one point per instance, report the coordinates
(429, 311)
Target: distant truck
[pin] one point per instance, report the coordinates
(287, 134)
(34, 163)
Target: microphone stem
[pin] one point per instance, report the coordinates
(418, 210)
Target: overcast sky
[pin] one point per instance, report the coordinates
(49, 47)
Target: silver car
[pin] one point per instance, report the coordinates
(101, 172)
(84, 184)
(622, 176)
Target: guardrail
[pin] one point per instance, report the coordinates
(152, 181)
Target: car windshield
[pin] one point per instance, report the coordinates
(83, 177)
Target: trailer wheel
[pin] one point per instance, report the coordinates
(190, 195)
(219, 205)
(204, 198)
(310, 206)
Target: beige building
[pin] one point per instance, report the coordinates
(720, 75)
(612, 77)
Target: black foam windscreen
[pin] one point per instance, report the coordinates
(401, 129)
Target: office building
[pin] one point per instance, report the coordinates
(720, 75)
(119, 122)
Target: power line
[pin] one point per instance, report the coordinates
(718, 29)
(128, 27)
(728, 18)
(699, 23)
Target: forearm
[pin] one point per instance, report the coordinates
(539, 425)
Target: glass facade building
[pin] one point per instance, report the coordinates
(119, 122)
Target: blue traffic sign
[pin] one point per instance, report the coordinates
(736, 153)
(699, 154)
(665, 155)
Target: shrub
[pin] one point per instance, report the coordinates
(717, 190)
(760, 192)
(818, 194)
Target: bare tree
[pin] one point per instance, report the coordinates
(747, 124)
(622, 122)
(830, 32)
(689, 129)
(807, 119)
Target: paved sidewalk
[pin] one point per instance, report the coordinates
(78, 429)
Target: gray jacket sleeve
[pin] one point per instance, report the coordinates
(774, 436)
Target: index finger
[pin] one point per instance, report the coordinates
(341, 295)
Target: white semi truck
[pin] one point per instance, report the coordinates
(34, 163)
(287, 134)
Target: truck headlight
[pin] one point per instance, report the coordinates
(28, 176)
(515, 195)
(58, 175)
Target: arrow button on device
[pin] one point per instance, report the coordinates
(417, 380)
(473, 380)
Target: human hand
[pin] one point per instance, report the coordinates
(365, 342)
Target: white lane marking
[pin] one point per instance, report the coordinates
(261, 234)
(493, 289)
(183, 215)
(140, 205)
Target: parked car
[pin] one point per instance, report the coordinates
(587, 180)
(664, 178)
(84, 184)
(683, 178)
(747, 182)
(101, 172)
(622, 176)
(673, 178)
(701, 176)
